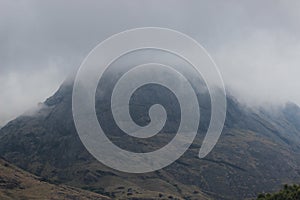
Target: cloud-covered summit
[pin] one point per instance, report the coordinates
(256, 44)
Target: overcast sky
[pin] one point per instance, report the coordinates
(256, 44)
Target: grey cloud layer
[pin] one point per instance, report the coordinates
(255, 43)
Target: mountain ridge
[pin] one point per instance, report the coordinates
(47, 144)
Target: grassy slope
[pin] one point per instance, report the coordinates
(17, 184)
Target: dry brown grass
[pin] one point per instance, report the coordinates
(16, 184)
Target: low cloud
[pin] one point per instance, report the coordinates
(262, 67)
(21, 91)
(255, 43)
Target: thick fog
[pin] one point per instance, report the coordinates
(256, 44)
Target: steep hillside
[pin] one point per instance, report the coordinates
(257, 152)
(17, 184)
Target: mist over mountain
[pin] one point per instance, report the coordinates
(255, 44)
(255, 47)
(258, 150)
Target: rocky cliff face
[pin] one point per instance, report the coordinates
(258, 150)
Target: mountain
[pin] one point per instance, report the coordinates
(18, 184)
(258, 150)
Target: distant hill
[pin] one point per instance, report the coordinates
(259, 150)
(18, 184)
